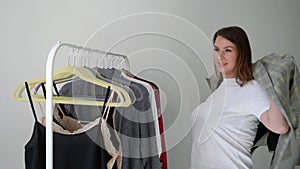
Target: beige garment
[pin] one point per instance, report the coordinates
(59, 129)
(70, 126)
(66, 122)
(73, 126)
(109, 147)
(119, 159)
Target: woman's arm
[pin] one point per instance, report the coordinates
(274, 120)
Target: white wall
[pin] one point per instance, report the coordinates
(30, 28)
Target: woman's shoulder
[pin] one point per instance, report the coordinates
(253, 83)
(255, 89)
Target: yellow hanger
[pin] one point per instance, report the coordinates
(69, 73)
(102, 77)
(59, 77)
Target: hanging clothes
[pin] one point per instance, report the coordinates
(135, 124)
(163, 154)
(74, 151)
(85, 133)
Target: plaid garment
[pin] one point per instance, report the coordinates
(279, 77)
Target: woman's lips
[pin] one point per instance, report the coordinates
(222, 64)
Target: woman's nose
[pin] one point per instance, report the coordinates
(221, 55)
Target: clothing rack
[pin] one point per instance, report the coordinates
(49, 90)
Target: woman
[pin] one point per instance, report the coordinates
(226, 122)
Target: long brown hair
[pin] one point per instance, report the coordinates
(239, 37)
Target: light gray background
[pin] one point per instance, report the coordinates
(30, 28)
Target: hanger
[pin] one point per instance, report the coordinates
(69, 72)
(114, 61)
(110, 63)
(101, 77)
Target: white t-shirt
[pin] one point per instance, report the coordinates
(226, 125)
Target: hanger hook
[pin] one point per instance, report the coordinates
(114, 62)
(100, 59)
(75, 55)
(83, 58)
(110, 61)
(89, 53)
(118, 62)
(69, 56)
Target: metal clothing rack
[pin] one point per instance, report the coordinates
(49, 87)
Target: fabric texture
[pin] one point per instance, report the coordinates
(134, 124)
(216, 145)
(279, 77)
(163, 156)
(76, 151)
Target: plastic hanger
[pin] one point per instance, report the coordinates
(69, 72)
(101, 77)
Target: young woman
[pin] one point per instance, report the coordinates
(226, 122)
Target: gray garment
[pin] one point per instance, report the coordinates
(135, 124)
(280, 78)
(81, 88)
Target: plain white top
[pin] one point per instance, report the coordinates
(226, 125)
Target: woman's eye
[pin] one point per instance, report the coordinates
(216, 49)
(228, 50)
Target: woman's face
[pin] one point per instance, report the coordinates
(225, 56)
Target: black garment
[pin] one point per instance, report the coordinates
(135, 123)
(272, 138)
(79, 151)
(69, 151)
